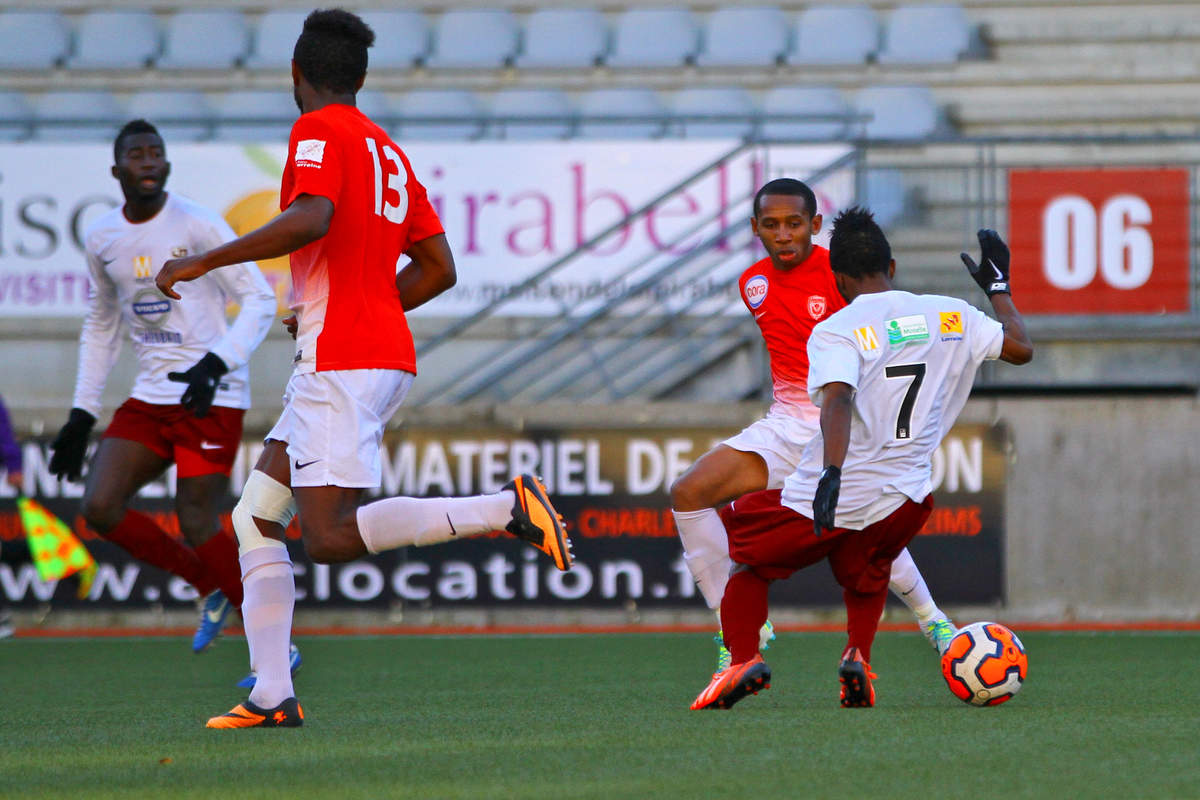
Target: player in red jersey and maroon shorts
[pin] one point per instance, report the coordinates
(351, 207)
(788, 292)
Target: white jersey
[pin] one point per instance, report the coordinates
(911, 360)
(168, 335)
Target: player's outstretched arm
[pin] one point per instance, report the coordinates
(305, 220)
(836, 412)
(430, 272)
(992, 275)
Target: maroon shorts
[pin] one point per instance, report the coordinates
(776, 541)
(197, 446)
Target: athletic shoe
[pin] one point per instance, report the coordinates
(212, 619)
(766, 635)
(939, 632)
(535, 520)
(733, 683)
(287, 714)
(856, 676)
(294, 662)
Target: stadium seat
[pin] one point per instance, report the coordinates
(205, 40)
(926, 35)
(563, 37)
(899, 112)
(439, 114)
(180, 116)
(33, 39)
(654, 37)
(377, 106)
(732, 103)
(470, 38)
(75, 116)
(116, 40)
(254, 116)
(275, 39)
(630, 104)
(534, 114)
(752, 36)
(817, 100)
(401, 38)
(835, 35)
(886, 195)
(16, 117)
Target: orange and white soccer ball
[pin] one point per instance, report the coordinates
(985, 664)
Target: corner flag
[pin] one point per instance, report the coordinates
(57, 553)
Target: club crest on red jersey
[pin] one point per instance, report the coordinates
(756, 290)
(816, 306)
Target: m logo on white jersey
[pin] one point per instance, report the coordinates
(756, 290)
(310, 152)
(867, 340)
(816, 306)
(141, 266)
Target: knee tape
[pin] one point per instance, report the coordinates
(263, 498)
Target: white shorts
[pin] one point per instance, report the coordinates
(332, 423)
(780, 440)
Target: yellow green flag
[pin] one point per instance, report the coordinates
(57, 553)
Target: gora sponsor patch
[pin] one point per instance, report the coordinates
(756, 290)
(950, 326)
(904, 331)
(310, 152)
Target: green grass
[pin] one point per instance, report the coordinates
(600, 716)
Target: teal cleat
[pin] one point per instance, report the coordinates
(212, 620)
(294, 662)
(766, 635)
(939, 632)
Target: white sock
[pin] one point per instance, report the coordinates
(401, 521)
(705, 551)
(270, 596)
(907, 584)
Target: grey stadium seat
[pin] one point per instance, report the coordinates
(254, 116)
(755, 36)
(654, 37)
(563, 37)
(205, 40)
(275, 38)
(835, 35)
(180, 116)
(803, 100)
(16, 117)
(439, 114)
(536, 114)
(886, 195)
(899, 112)
(618, 103)
(76, 116)
(926, 35)
(116, 40)
(401, 38)
(33, 39)
(474, 38)
(732, 103)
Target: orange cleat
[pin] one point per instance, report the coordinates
(733, 683)
(534, 520)
(287, 714)
(856, 676)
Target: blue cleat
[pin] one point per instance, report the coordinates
(294, 662)
(212, 619)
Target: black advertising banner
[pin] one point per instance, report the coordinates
(610, 485)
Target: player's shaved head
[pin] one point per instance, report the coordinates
(131, 128)
(857, 246)
(787, 186)
(331, 52)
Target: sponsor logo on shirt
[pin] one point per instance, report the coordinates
(310, 152)
(151, 308)
(141, 268)
(903, 331)
(816, 306)
(160, 337)
(756, 290)
(178, 252)
(867, 340)
(950, 327)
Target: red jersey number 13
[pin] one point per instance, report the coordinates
(396, 182)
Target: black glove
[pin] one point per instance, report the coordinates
(992, 273)
(70, 445)
(825, 500)
(202, 380)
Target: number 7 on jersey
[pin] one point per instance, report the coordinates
(917, 373)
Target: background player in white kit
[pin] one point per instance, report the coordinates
(891, 372)
(190, 343)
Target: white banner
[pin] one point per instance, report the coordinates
(510, 209)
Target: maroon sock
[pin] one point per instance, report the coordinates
(220, 556)
(862, 618)
(743, 612)
(146, 541)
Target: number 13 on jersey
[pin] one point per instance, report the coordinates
(396, 182)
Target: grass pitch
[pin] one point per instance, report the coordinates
(595, 716)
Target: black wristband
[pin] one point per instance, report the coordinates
(78, 418)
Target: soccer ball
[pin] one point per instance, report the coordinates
(985, 664)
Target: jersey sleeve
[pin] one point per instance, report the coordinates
(99, 342)
(314, 162)
(832, 358)
(423, 220)
(986, 335)
(245, 285)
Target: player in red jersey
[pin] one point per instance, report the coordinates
(351, 207)
(788, 292)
